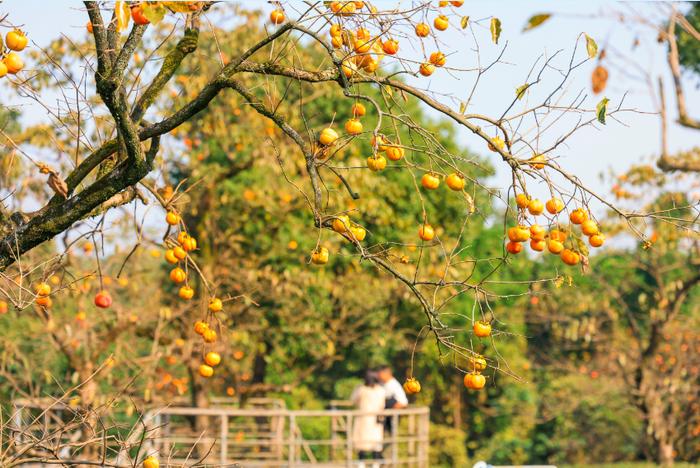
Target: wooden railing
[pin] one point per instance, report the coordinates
(283, 438)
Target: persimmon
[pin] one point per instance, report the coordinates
(359, 5)
(179, 253)
(589, 227)
(596, 240)
(554, 205)
(44, 301)
(371, 65)
(390, 47)
(13, 62)
(411, 386)
(430, 181)
(426, 69)
(570, 257)
(178, 275)
(328, 136)
(212, 359)
(481, 328)
(535, 207)
(320, 256)
(496, 143)
(522, 200)
(477, 363)
(441, 23)
(537, 232)
(438, 59)
(336, 30)
(422, 30)
(578, 216)
(358, 110)
(3, 69)
(426, 232)
(538, 245)
(341, 223)
(170, 256)
(376, 163)
(514, 247)
(42, 289)
(379, 141)
(172, 218)
(103, 300)
(215, 304)
(474, 381)
(3, 307)
(200, 327)
(518, 233)
(457, 3)
(151, 462)
(336, 41)
(557, 235)
(455, 182)
(537, 161)
(138, 16)
(394, 153)
(358, 232)
(189, 244)
(89, 27)
(555, 246)
(16, 40)
(277, 16)
(362, 46)
(353, 127)
(206, 371)
(186, 292)
(209, 335)
(362, 33)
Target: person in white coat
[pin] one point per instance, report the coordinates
(367, 430)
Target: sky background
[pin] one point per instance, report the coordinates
(589, 153)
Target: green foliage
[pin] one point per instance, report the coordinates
(689, 46)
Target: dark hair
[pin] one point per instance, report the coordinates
(371, 378)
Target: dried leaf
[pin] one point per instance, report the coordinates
(123, 14)
(177, 7)
(464, 22)
(154, 12)
(58, 185)
(495, 30)
(591, 46)
(536, 20)
(520, 90)
(601, 110)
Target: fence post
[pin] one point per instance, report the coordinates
(394, 442)
(224, 439)
(412, 437)
(292, 454)
(348, 440)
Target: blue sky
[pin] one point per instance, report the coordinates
(589, 153)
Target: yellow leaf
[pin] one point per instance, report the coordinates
(154, 12)
(495, 30)
(520, 91)
(123, 14)
(591, 46)
(536, 20)
(464, 22)
(177, 7)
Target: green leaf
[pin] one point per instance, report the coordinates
(536, 20)
(464, 22)
(177, 7)
(601, 109)
(520, 90)
(591, 46)
(495, 30)
(154, 12)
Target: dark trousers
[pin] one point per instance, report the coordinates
(367, 455)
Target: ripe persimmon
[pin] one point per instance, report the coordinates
(42, 289)
(358, 232)
(555, 246)
(518, 233)
(578, 216)
(209, 335)
(455, 182)
(554, 205)
(596, 240)
(44, 301)
(170, 256)
(212, 359)
(328, 136)
(390, 47)
(172, 218)
(538, 245)
(438, 59)
(103, 300)
(537, 232)
(411, 386)
(151, 462)
(477, 363)
(514, 247)
(138, 16)
(535, 207)
(426, 69)
(320, 256)
(277, 16)
(441, 23)
(422, 30)
(178, 275)
(474, 381)
(3, 69)
(496, 143)
(179, 253)
(206, 371)
(589, 227)
(537, 161)
(481, 328)
(13, 62)
(16, 40)
(570, 257)
(186, 292)
(200, 327)
(215, 304)
(394, 153)
(376, 163)
(557, 235)
(430, 181)
(358, 110)
(341, 223)
(522, 200)
(353, 127)
(426, 232)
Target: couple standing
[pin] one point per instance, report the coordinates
(379, 391)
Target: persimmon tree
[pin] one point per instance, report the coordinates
(117, 106)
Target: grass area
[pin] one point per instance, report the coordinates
(626, 465)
